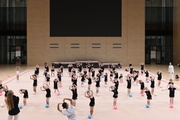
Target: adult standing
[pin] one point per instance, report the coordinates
(171, 71)
(12, 105)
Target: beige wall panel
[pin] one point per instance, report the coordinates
(136, 31)
(35, 57)
(36, 18)
(41, 33)
(124, 18)
(74, 56)
(36, 30)
(54, 56)
(117, 56)
(36, 7)
(96, 55)
(47, 10)
(36, 40)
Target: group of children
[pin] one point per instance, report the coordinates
(88, 73)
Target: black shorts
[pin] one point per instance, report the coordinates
(55, 87)
(115, 96)
(152, 86)
(25, 96)
(149, 98)
(89, 83)
(142, 87)
(129, 86)
(34, 84)
(48, 96)
(91, 104)
(74, 97)
(171, 96)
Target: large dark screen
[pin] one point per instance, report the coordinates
(85, 18)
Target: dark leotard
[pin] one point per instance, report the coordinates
(142, 86)
(35, 82)
(152, 84)
(129, 84)
(25, 94)
(92, 102)
(48, 93)
(148, 94)
(74, 94)
(171, 92)
(115, 95)
(55, 84)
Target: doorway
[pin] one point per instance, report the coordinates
(153, 55)
(17, 55)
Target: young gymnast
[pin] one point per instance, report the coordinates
(128, 79)
(69, 109)
(152, 79)
(177, 77)
(17, 72)
(70, 66)
(89, 68)
(111, 75)
(142, 67)
(105, 79)
(56, 90)
(170, 83)
(46, 88)
(85, 71)
(46, 68)
(135, 76)
(25, 96)
(89, 82)
(115, 95)
(52, 71)
(159, 74)
(146, 75)
(34, 78)
(73, 71)
(171, 93)
(45, 73)
(121, 78)
(102, 69)
(89, 94)
(148, 94)
(58, 71)
(116, 75)
(131, 70)
(36, 72)
(83, 76)
(73, 88)
(61, 67)
(141, 87)
(97, 83)
(119, 65)
(116, 83)
(48, 79)
(59, 78)
(93, 73)
(74, 79)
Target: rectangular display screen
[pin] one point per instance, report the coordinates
(85, 18)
